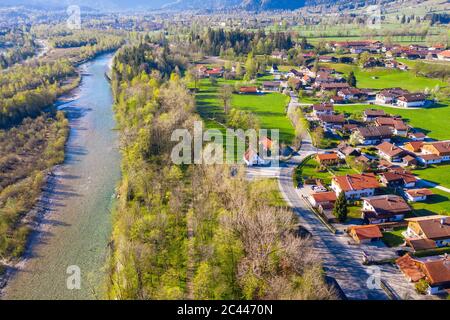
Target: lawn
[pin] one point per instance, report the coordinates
(269, 191)
(308, 171)
(394, 238)
(269, 108)
(354, 212)
(438, 203)
(432, 121)
(379, 78)
(436, 173)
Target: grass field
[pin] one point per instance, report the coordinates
(432, 121)
(379, 78)
(269, 108)
(394, 238)
(436, 173)
(439, 203)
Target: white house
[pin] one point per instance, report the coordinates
(411, 100)
(355, 186)
(415, 195)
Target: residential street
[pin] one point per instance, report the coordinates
(342, 261)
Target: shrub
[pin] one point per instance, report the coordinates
(422, 286)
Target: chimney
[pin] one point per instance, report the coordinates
(443, 220)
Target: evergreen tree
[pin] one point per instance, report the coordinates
(340, 210)
(351, 80)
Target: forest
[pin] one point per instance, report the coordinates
(27, 151)
(178, 234)
(218, 41)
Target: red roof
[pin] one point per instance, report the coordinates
(329, 196)
(351, 182)
(367, 232)
(408, 266)
(327, 156)
(445, 53)
(248, 89)
(419, 192)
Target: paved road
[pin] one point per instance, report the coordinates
(341, 260)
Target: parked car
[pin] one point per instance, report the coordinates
(318, 189)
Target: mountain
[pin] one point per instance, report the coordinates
(109, 5)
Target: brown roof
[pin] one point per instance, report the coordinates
(418, 134)
(351, 182)
(390, 150)
(334, 85)
(414, 145)
(248, 89)
(332, 118)
(375, 132)
(323, 107)
(374, 113)
(412, 97)
(367, 232)
(419, 192)
(388, 204)
(428, 157)
(437, 271)
(409, 267)
(329, 196)
(327, 156)
(443, 147)
(397, 173)
(421, 244)
(434, 227)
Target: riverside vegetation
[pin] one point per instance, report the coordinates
(32, 136)
(177, 232)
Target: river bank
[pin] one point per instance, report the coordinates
(73, 215)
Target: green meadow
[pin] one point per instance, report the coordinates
(379, 78)
(433, 121)
(269, 108)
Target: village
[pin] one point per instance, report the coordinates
(363, 181)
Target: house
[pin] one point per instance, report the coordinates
(365, 234)
(344, 150)
(411, 100)
(435, 228)
(327, 59)
(322, 109)
(444, 55)
(389, 96)
(327, 158)
(397, 126)
(271, 86)
(332, 121)
(248, 90)
(386, 208)
(322, 198)
(390, 152)
(415, 195)
(434, 270)
(409, 160)
(282, 55)
(427, 159)
(215, 72)
(398, 179)
(417, 136)
(252, 158)
(440, 148)
(363, 159)
(370, 115)
(413, 146)
(372, 135)
(333, 86)
(351, 94)
(355, 186)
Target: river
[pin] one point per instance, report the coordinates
(76, 227)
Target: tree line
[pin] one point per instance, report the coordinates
(183, 231)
